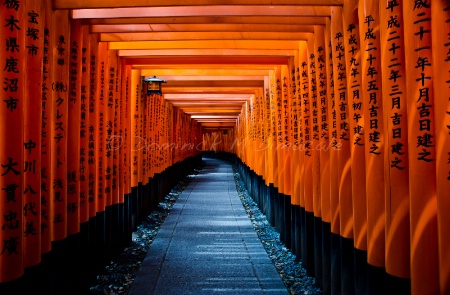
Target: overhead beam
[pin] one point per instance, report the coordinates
(188, 36)
(206, 44)
(212, 27)
(203, 72)
(74, 4)
(218, 10)
(206, 60)
(213, 19)
(196, 52)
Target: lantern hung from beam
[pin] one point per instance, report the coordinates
(153, 85)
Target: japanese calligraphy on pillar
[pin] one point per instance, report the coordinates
(46, 127)
(117, 145)
(421, 146)
(84, 123)
(126, 129)
(135, 98)
(395, 113)
(352, 44)
(101, 132)
(369, 22)
(73, 133)
(93, 125)
(110, 80)
(11, 154)
(60, 95)
(32, 135)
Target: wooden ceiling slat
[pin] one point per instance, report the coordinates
(188, 36)
(206, 44)
(219, 10)
(212, 19)
(203, 72)
(74, 4)
(122, 28)
(203, 60)
(212, 53)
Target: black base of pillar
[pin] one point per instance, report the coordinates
(360, 263)
(376, 277)
(347, 267)
(318, 252)
(326, 258)
(397, 286)
(336, 264)
(309, 262)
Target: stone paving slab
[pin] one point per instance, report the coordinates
(207, 244)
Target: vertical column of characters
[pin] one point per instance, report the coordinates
(101, 135)
(333, 142)
(155, 122)
(177, 135)
(127, 159)
(73, 129)
(144, 137)
(60, 96)
(350, 22)
(266, 130)
(119, 133)
(313, 176)
(325, 156)
(109, 144)
(422, 155)
(135, 88)
(305, 141)
(273, 127)
(93, 126)
(160, 137)
(421, 147)
(369, 23)
(170, 135)
(259, 132)
(279, 180)
(46, 127)
(322, 150)
(271, 141)
(268, 174)
(295, 121)
(325, 153)
(342, 143)
(286, 112)
(249, 136)
(13, 53)
(165, 138)
(33, 133)
(176, 131)
(441, 57)
(116, 142)
(396, 119)
(125, 105)
(84, 124)
(151, 138)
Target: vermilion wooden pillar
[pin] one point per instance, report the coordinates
(342, 144)
(441, 71)
(34, 24)
(60, 53)
(421, 147)
(13, 97)
(375, 140)
(73, 128)
(396, 156)
(46, 132)
(351, 31)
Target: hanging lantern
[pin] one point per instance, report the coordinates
(153, 85)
